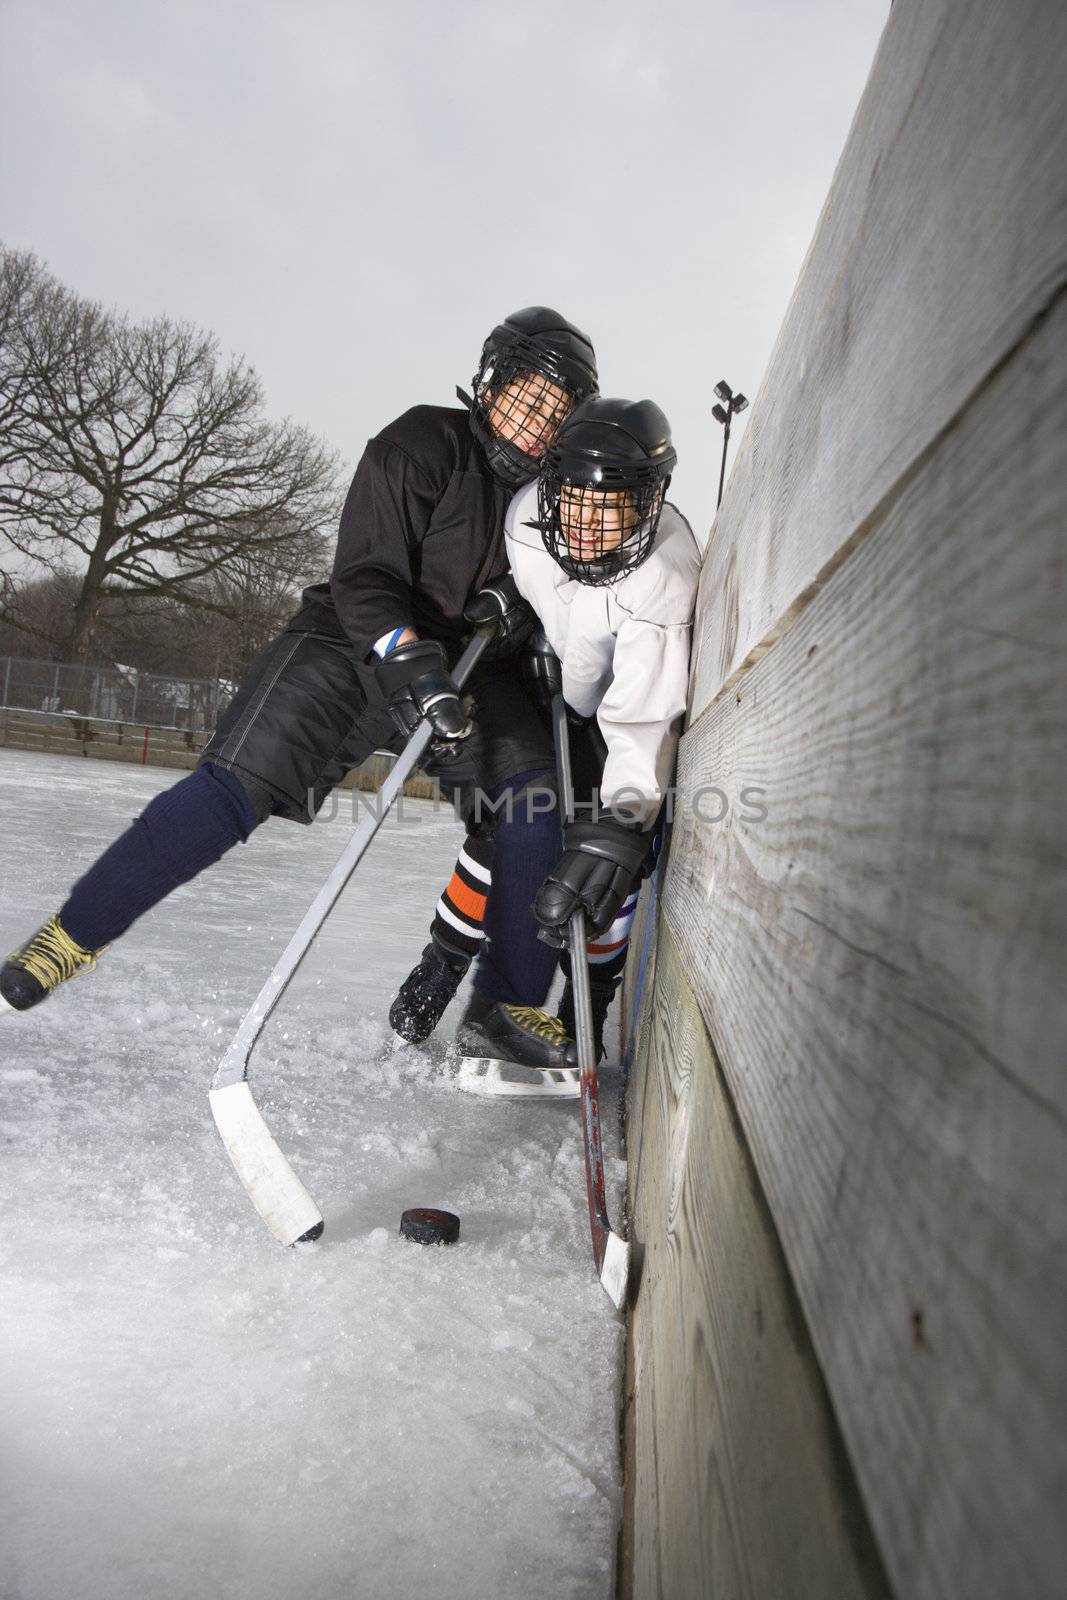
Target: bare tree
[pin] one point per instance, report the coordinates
(21, 279)
(253, 598)
(231, 614)
(35, 614)
(134, 448)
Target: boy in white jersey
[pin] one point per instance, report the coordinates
(611, 570)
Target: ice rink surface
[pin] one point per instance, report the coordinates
(189, 1409)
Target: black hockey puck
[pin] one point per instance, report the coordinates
(424, 1225)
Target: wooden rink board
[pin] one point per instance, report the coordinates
(880, 967)
(739, 1488)
(52, 734)
(942, 239)
(100, 740)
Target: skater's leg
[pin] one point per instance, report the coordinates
(456, 935)
(458, 925)
(510, 749)
(514, 966)
(277, 740)
(180, 832)
(606, 954)
(277, 744)
(485, 911)
(524, 1033)
(503, 1018)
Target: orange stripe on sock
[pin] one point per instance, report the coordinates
(465, 899)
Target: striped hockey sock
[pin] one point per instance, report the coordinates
(458, 920)
(606, 956)
(607, 951)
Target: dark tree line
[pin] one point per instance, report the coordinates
(217, 636)
(148, 508)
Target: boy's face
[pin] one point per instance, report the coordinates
(529, 412)
(595, 521)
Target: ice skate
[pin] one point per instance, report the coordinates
(425, 993)
(515, 1051)
(48, 959)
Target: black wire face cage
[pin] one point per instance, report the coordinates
(521, 399)
(597, 531)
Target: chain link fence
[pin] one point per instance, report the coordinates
(116, 713)
(111, 694)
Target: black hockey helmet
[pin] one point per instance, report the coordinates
(535, 367)
(602, 486)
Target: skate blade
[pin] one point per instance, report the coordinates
(507, 1080)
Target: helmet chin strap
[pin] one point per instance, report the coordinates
(464, 398)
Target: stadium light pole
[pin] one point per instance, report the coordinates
(725, 413)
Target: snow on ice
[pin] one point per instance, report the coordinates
(187, 1408)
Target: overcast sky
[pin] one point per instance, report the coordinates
(351, 194)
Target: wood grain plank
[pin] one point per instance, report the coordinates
(880, 966)
(943, 236)
(738, 1483)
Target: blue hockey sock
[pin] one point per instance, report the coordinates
(515, 966)
(180, 832)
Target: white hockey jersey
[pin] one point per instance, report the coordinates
(624, 647)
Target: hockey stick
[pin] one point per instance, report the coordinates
(611, 1252)
(270, 1182)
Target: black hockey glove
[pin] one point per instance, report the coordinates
(597, 869)
(541, 669)
(501, 604)
(415, 681)
(542, 672)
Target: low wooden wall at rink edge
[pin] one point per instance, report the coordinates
(69, 734)
(847, 1116)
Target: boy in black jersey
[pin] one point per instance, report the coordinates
(422, 533)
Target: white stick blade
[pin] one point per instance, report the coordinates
(615, 1273)
(505, 1080)
(269, 1181)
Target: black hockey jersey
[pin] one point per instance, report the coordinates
(421, 531)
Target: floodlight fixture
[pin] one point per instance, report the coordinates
(731, 405)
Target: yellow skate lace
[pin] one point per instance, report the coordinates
(540, 1023)
(52, 955)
